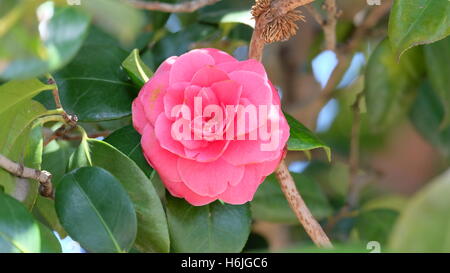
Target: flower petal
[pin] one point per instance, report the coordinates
(248, 65)
(138, 116)
(254, 87)
(218, 55)
(245, 190)
(208, 75)
(187, 64)
(180, 190)
(208, 179)
(160, 159)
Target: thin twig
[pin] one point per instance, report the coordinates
(17, 169)
(329, 26)
(312, 227)
(70, 119)
(190, 6)
(310, 224)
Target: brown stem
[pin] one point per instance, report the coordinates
(190, 6)
(329, 26)
(312, 227)
(17, 169)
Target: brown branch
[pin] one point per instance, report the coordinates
(329, 26)
(17, 169)
(70, 119)
(263, 19)
(310, 224)
(190, 6)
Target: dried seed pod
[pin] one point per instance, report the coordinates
(279, 27)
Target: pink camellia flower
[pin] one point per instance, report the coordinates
(211, 126)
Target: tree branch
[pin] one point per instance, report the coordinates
(17, 169)
(190, 6)
(310, 224)
(329, 26)
(263, 18)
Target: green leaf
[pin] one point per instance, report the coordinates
(55, 160)
(96, 211)
(107, 14)
(438, 60)
(215, 227)
(182, 41)
(153, 234)
(375, 225)
(390, 86)
(427, 115)
(14, 92)
(269, 203)
(19, 232)
(15, 143)
(423, 226)
(302, 139)
(139, 72)
(61, 37)
(93, 86)
(417, 22)
(128, 141)
(32, 159)
(49, 242)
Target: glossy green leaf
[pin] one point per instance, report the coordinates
(116, 17)
(14, 92)
(423, 226)
(375, 225)
(427, 115)
(138, 71)
(215, 227)
(269, 203)
(390, 87)
(96, 211)
(438, 60)
(60, 37)
(49, 242)
(32, 159)
(16, 145)
(153, 235)
(94, 86)
(128, 141)
(55, 160)
(302, 139)
(19, 232)
(416, 22)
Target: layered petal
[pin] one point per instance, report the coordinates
(208, 179)
(188, 64)
(159, 158)
(243, 191)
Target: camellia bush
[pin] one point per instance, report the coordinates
(224, 126)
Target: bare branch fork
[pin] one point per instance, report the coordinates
(275, 21)
(190, 6)
(43, 177)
